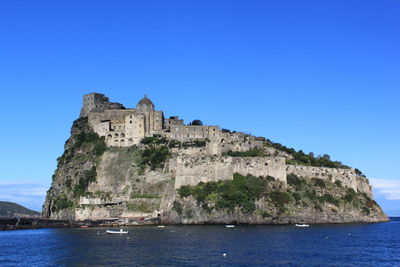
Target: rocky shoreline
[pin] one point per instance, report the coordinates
(7, 224)
(35, 223)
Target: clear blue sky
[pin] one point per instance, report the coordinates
(322, 76)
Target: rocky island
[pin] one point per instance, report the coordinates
(131, 165)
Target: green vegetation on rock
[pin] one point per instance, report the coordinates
(241, 192)
(83, 149)
(157, 140)
(153, 157)
(61, 202)
(154, 140)
(250, 153)
(83, 183)
(92, 139)
(300, 158)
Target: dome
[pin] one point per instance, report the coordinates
(145, 102)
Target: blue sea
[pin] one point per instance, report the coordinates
(214, 245)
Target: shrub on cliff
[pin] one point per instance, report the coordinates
(99, 146)
(350, 195)
(338, 183)
(83, 183)
(154, 140)
(280, 198)
(184, 191)
(294, 180)
(328, 198)
(319, 182)
(194, 143)
(60, 203)
(300, 158)
(154, 157)
(241, 192)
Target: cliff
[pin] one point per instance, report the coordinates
(181, 183)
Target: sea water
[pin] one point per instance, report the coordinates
(215, 245)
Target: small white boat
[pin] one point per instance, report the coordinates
(117, 232)
(229, 226)
(161, 226)
(302, 225)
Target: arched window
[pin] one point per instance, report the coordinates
(109, 136)
(122, 135)
(116, 135)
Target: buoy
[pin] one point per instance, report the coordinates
(224, 254)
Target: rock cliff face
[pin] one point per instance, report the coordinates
(157, 179)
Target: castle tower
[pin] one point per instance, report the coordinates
(97, 102)
(153, 120)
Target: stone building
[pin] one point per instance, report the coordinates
(97, 102)
(122, 126)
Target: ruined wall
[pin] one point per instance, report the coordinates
(191, 171)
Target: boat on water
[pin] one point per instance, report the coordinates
(116, 232)
(161, 226)
(302, 225)
(229, 226)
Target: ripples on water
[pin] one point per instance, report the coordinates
(318, 245)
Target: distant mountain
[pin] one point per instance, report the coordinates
(10, 209)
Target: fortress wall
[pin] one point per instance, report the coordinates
(261, 166)
(191, 171)
(364, 186)
(346, 176)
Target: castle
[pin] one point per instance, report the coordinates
(123, 187)
(123, 127)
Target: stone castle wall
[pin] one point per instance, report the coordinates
(347, 177)
(191, 171)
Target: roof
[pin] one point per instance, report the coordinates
(145, 101)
